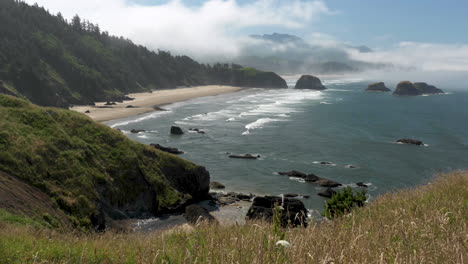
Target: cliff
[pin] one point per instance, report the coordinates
(91, 173)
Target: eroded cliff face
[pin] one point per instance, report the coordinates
(92, 173)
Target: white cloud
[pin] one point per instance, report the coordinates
(211, 29)
(422, 56)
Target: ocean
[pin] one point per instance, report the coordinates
(297, 129)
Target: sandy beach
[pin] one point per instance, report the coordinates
(145, 102)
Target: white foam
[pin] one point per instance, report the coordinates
(297, 179)
(260, 123)
(327, 103)
(146, 117)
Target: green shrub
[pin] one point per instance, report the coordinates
(342, 202)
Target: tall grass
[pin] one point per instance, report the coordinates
(427, 224)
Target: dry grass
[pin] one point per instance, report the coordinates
(427, 224)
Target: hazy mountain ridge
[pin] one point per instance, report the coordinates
(289, 54)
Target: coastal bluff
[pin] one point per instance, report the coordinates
(89, 173)
(309, 82)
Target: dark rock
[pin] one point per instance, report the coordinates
(136, 131)
(350, 167)
(311, 178)
(87, 112)
(309, 82)
(197, 130)
(293, 173)
(216, 185)
(196, 214)
(427, 89)
(328, 193)
(290, 195)
(91, 104)
(325, 163)
(410, 141)
(407, 88)
(157, 108)
(126, 98)
(306, 196)
(168, 149)
(195, 182)
(175, 130)
(131, 106)
(294, 212)
(327, 183)
(110, 103)
(361, 184)
(377, 87)
(245, 156)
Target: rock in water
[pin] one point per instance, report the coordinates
(175, 130)
(136, 131)
(293, 213)
(328, 193)
(427, 89)
(407, 88)
(216, 185)
(361, 184)
(410, 141)
(377, 87)
(309, 82)
(246, 156)
(175, 151)
(196, 214)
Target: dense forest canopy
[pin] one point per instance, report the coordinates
(55, 62)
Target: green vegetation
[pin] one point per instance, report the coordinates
(343, 202)
(427, 224)
(88, 169)
(55, 62)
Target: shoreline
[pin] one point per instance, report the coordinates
(150, 101)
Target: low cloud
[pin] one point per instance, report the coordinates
(420, 56)
(212, 29)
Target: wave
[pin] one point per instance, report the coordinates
(143, 118)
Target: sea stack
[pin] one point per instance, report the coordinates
(427, 89)
(377, 87)
(407, 88)
(309, 82)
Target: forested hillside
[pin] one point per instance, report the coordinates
(55, 62)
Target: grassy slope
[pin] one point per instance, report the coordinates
(69, 157)
(427, 224)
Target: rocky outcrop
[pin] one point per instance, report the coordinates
(216, 185)
(361, 184)
(249, 77)
(328, 193)
(175, 130)
(311, 178)
(309, 82)
(377, 87)
(175, 151)
(410, 141)
(136, 131)
(223, 199)
(195, 181)
(195, 214)
(293, 212)
(244, 156)
(199, 131)
(407, 88)
(427, 89)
